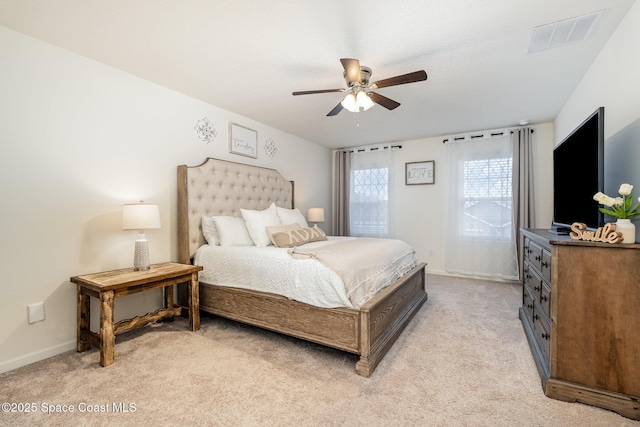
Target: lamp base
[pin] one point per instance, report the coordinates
(141, 254)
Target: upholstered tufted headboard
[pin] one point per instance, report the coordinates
(220, 187)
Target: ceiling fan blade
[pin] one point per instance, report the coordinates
(310, 92)
(387, 103)
(352, 68)
(416, 76)
(335, 110)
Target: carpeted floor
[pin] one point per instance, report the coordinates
(463, 361)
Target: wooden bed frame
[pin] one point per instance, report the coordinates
(219, 187)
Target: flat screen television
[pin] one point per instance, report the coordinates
(578, 174)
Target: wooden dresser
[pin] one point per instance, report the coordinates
(581, 315)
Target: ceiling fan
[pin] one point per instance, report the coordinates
(361, 96)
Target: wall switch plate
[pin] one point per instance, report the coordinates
(35, 312)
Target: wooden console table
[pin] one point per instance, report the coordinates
(108, 285)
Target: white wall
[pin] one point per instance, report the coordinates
(78, 139)
(420, 211)
(613, 81)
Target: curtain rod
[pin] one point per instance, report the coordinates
(361, 150)
(460, 138)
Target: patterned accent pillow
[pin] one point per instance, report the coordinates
(291, 238)
(280, 229)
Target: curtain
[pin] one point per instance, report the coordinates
(371, 202)
(523, 203)
(480, 238)
(341, 171)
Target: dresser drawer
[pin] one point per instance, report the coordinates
(542, 331)
(535, 283)
(527, 303)
(545, 298)
(533, 254)
(527, 276)
(545, 265)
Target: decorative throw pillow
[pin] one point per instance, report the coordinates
(210, 231)
(292, 216)
(289, 239)
(281, 228)
(232, 231)
(258, 221)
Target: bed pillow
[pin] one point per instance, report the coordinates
(289, 239)
(292, 216)
(280, 229)
(210, 231)
(258, 221)
(232, 231)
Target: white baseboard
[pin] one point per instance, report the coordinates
(437, 272)
(37, 356)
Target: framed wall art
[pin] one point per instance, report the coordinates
(417, 173)
(243, 141)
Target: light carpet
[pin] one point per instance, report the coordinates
(463, 361)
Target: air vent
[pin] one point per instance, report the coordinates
(563, 33)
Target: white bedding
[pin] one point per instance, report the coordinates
(274, 270)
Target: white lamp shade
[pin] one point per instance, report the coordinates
(315, 215)
(349, 102)
(361, 100)
(140, 216)
(364, 101)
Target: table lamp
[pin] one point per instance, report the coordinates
(315, 215)
(140, 216)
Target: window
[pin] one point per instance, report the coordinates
(487, 198)
(370, 201)
(479, 235)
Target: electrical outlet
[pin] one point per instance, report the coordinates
(35, 312)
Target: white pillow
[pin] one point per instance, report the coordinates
(292, 216)
(258, 221)
(232, 231)
(210, 231)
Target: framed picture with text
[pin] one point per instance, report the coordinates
(243, 141)
(417, 173)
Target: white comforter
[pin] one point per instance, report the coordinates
(274, 270)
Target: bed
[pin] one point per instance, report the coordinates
(219, 187)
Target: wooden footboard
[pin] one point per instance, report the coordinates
(336, 327)
(369, 332)
(384, 318)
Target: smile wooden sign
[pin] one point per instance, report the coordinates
(606, 234)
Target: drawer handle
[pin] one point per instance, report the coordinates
(545, 264)
(535, 317)
(536, 288)
(538, 257)
(530, 306)
(546, 336)
(543, 298)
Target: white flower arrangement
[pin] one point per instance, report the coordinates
(620, 207)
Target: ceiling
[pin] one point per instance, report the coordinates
(248, 56)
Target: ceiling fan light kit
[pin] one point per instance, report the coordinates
(360, 96)
(356, 103)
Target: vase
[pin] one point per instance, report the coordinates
(628, 230)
